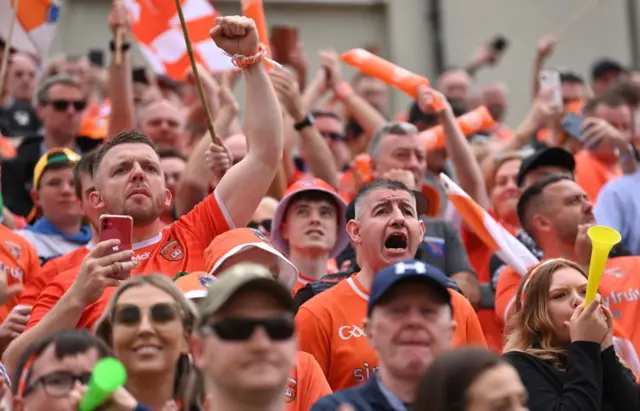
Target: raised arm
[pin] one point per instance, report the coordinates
(243, 186)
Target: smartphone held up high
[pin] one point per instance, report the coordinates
(117, 227)
(550, 80)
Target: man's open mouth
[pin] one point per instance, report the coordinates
(396, 242)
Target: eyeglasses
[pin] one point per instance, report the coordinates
(332, 136)
(241, 329)
(58, 384)
(130, 314)
(63, 105)
(266, 224)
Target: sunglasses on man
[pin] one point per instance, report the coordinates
(241, 329)
(58, 383)
(63, 105)
(266, 224)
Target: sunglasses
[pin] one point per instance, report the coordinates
(63, 105)
(59, 383)
(266, 224)
(241, 329)
(332, 136)
(160, 313)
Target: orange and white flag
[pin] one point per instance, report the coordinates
(156, 27)
(35, 25)
(492, 233)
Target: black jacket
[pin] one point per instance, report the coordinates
(593, 381)
(364, 397)
(17, 173)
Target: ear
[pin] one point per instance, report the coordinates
(374, 168)
(353, 229)
(422, 228)
(452, 331)
(168, 198)
(40, 111)
(96, 199)
(196, 345)
(284, 230)
(35, 197)
(366, 327)
(541, 222)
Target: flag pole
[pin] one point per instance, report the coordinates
(119, 40)
(194, 67)
(7, 46)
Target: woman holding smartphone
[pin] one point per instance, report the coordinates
(564, 351)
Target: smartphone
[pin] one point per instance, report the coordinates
(573, 124)
(284, 40)
(96, 57)
(117, 227)
(550, 79)
(500, 43)
(139, 75)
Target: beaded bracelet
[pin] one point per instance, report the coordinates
(244, 62)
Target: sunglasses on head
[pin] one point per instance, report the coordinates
(241, 329)
(63, 105)
(266, 224)
(332, 136)
(160, 313)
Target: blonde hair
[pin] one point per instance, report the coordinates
(187, 377)
(530, 329)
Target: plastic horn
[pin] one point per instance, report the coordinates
(108, 376)
(602, 241)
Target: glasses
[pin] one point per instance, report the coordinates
(63, 105)
(59, 383)
(266, 224)
(241, 329)
(332, 136)
(130, 315)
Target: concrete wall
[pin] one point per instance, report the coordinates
(400, 29)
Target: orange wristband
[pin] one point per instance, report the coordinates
(244, 62)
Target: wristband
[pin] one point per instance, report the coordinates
(343, 91)
(123, 47)
(308, 121)
(243, 62)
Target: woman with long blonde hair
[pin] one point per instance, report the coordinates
(148, 324)
(564, 351)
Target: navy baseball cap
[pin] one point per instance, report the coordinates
(408, 271)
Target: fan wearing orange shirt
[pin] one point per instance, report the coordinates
(129, 181)
(386, 230)
(557, 213)
(309, 227)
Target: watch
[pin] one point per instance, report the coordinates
(124, 47)
(308, 121)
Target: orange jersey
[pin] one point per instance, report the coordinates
(18, 261)
(592, 174)
(176, 250)
(330, 326)
(306, 384)
(50, 270)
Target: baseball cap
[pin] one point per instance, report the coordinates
(194, 285)
(553, 156)
(242, 277)
(53, 156)
(407, 271)
(307, 185)
(605, 66)
(235, 241)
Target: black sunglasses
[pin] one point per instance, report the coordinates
(63, 105)
(332, 136)
(58, 383)
(130, 314)
(266, 224)
(241, 329)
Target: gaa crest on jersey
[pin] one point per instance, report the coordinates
(260, 235)
(290, 390)
(14, 249)
(172, 251)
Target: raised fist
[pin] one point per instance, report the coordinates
(236, 35)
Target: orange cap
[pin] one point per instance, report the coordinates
(238, 240)
(195, 284)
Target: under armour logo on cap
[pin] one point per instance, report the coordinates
(410, 267)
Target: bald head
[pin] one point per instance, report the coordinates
(455, 84)
(21, 78)
(237, 145)
(494, 96)
(266, 209)
(163, 122)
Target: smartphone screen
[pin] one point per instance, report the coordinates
(550, 79)
(573, 124)
(117, 227)
(96, 57)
